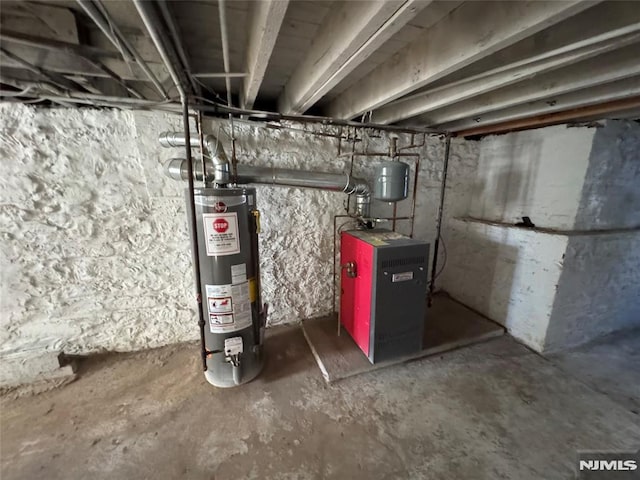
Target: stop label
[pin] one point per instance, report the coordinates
(220, 225)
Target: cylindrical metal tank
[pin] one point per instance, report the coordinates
(391, 182)
(227, 227)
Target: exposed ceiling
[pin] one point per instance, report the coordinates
(452, 65)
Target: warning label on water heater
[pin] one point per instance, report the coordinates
(229, 307)
(221, 233)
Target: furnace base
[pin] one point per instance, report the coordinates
(448, 325)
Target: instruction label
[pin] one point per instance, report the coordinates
(233, 346)
(229, 307)
(221, 233)
(238, 273)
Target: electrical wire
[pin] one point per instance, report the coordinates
(210, 90)
(444, 262)
(6, 93)
(444, 252)
(352, 220)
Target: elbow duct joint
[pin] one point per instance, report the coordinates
(217, 166)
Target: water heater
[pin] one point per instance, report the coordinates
(225, 244)
(227, 229)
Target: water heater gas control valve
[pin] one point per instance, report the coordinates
(233, 346)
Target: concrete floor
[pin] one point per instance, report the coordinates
(491, 411)
(610, 365)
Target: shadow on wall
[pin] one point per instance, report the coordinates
(480, 271)
(599, 289)
(610, 196)
(505, 186)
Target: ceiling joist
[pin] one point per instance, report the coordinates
(466, 35)
(449, 64)
(267, 17)
(349, 35)
(620, 65)
(609, 92)
(563, 46)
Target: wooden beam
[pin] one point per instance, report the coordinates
(55, 45)
(70, 64)
(600, 70)
(559, 55)
(609, 92)
(86, 54)
(219, 75)
(266, 19)
(54, 22)
(54, 78)
(347, 37)
(555, 118)
(70, 61)
(101, 17)
(466, 35)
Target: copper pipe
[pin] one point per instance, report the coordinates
(378, 154)
(415, 194)
(445, 168)
(553, 118)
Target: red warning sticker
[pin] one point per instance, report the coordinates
(220, 305)
(220, 225)
(229, 307)
(221, 233)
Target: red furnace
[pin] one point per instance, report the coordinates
(382, 300)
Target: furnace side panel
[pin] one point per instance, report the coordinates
(356, 293)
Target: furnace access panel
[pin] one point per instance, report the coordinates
(383, 288)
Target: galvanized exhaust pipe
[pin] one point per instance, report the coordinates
(176, 168)
(218, 171)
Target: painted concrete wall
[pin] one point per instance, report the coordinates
(564, 286)
(610, 197)
(505, 272)
(534, 173)
(508, 274)
(599, 289)
(95, 254)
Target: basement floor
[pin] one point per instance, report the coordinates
(491, 411)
